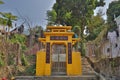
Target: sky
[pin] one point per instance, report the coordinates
(35, 10)
(104, 8)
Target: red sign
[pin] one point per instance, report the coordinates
(69, 53)
(47, 52)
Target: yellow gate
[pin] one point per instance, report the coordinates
(58, 59)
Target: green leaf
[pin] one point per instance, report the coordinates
(112, 12)
(1, 2)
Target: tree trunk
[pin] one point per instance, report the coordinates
(82, 39)
(18, 56)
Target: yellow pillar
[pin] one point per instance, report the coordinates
(42, 68)
(76, 63)
(47, 69)
(76, 67)
(40, 63)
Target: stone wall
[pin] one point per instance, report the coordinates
(108, 67)
(105, 56)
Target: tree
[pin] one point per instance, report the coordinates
(29, 25)
(19, 40)
(7, 19)
(112, 12)
(1, 2)
(95, 26)
(3, 22)
(75, 12)
(51, 17)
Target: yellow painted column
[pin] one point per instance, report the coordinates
(69, 64)
(76, 67)
(76, 63)
(40, 63)
(48, 59)
(69, 69)
(48, 69)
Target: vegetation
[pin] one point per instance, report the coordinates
(105, 65)
(95, 26)
(1, 2)
(12, 48)
(74, 13)
(6, 19)
(113, 12)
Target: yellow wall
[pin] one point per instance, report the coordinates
(75, 68)
(41, 67)
(40, 63)
(76, 63)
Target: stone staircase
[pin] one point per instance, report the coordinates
(86, 67)
(88, 74)
(83, 77)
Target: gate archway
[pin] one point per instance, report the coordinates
(58, 59)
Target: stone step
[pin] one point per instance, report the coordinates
(88, 73)
(86, 67)
(83, 77)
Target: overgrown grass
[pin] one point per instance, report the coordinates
(29, 69)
